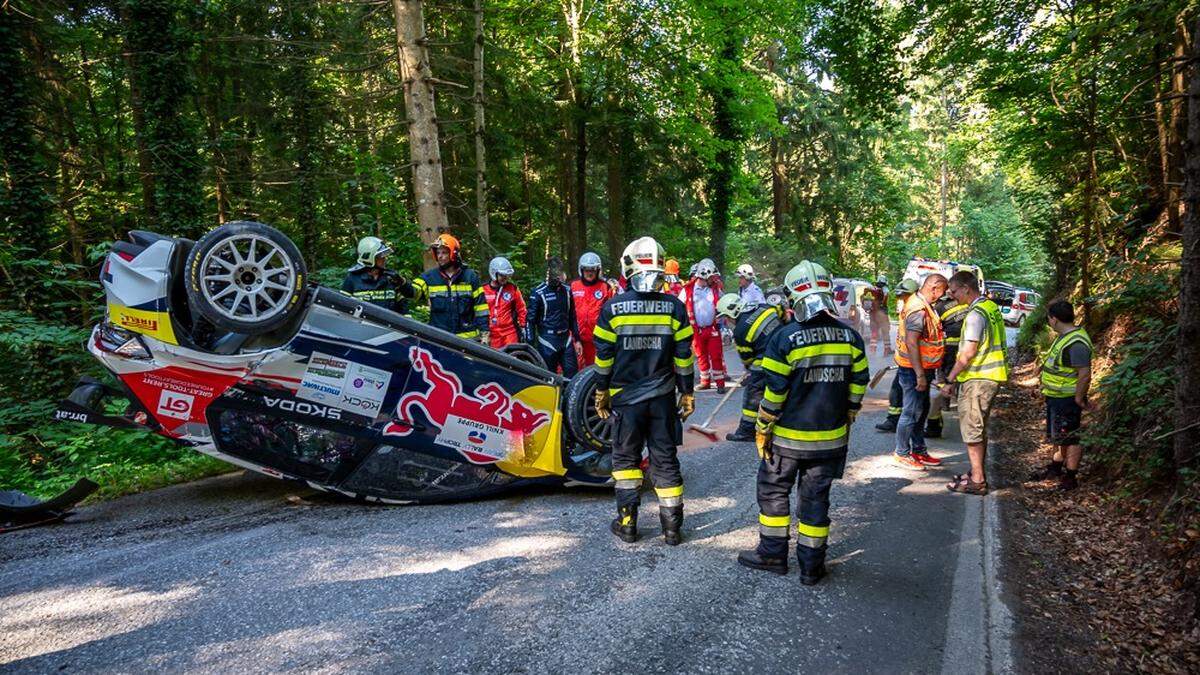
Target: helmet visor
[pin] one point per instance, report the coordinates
(812, 305)
(646, 282)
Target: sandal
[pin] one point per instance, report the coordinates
(962, 483)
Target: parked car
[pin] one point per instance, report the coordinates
(1023, 303)
(224, 345)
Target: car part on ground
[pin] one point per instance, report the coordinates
(19, 511)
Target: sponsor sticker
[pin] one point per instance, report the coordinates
(344, 384)
(175, 404)
(479, 442)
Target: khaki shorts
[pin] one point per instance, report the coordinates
(974, 407)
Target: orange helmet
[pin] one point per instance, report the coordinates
(671, 267)
(445, 240)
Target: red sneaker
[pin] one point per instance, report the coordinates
(926, 459)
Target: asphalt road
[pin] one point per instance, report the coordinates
(229, 575)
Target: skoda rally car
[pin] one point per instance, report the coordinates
(224, 345)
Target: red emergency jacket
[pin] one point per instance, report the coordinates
(506, 308)
(687, 294)
(588, 299)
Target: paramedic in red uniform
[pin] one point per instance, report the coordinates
(506, 305)
(589, 293)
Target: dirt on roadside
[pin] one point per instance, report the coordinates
(1098, 586)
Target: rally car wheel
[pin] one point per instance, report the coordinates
(524, 352)
(583, 421)
(245, 277)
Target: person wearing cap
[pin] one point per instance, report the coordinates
(506, 305)
(816, 375)
(588, 294)
(454, 292)
(748, 289)
(371, 281)
(905, 288)
(881, 325)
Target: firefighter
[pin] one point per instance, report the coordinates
(643, 358)
(700, 297)
(506, 305)
(816, 372)
(951, 314)
(747, 287)
(588, 294)
(753, 326)
(370, 280)
(905, 288)
(454, 292)
(552, 328)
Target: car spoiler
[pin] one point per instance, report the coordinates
(341, 302)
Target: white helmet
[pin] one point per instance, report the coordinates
(369, 248)
(642, 264)
(731, 305)
(706, 268)
(589, 261)
(810, 289)
(745, 271)
(499, 265)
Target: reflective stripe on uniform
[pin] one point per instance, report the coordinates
(813, 536)
(627, 479)
(799, 439)
(669, 496)
(774, 526)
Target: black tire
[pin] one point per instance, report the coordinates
(524, 352)
(253, 294)
(583, 422)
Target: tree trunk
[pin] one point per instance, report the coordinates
(428, 188)
(1187, 389)
(481, 186)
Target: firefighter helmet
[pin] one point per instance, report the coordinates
(745, 271)
(369, 248)
(731, 305)
(642, 264)
(499, 265)
(450, 242)
(810, 289)
(589, 261)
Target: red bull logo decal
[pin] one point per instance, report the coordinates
(483, 426)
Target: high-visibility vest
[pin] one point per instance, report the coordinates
(1058, 381)
(931, 345)
(989, 363)
(948, 317)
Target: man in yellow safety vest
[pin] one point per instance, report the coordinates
(1065, 378)
(978, 372)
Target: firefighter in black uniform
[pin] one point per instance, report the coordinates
(371, 281)
(454, 292)
(952, 315)
(753, 326)
(552, 327)
(643, 357)
(816, 370)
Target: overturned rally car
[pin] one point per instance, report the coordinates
(224, 345)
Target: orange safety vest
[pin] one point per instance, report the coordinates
(932, 343)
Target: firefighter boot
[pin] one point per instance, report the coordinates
(812, 563)
(743, 434)
(770, 556)
(625, 524)
(671, 518)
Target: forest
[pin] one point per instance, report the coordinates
(1045, 141)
